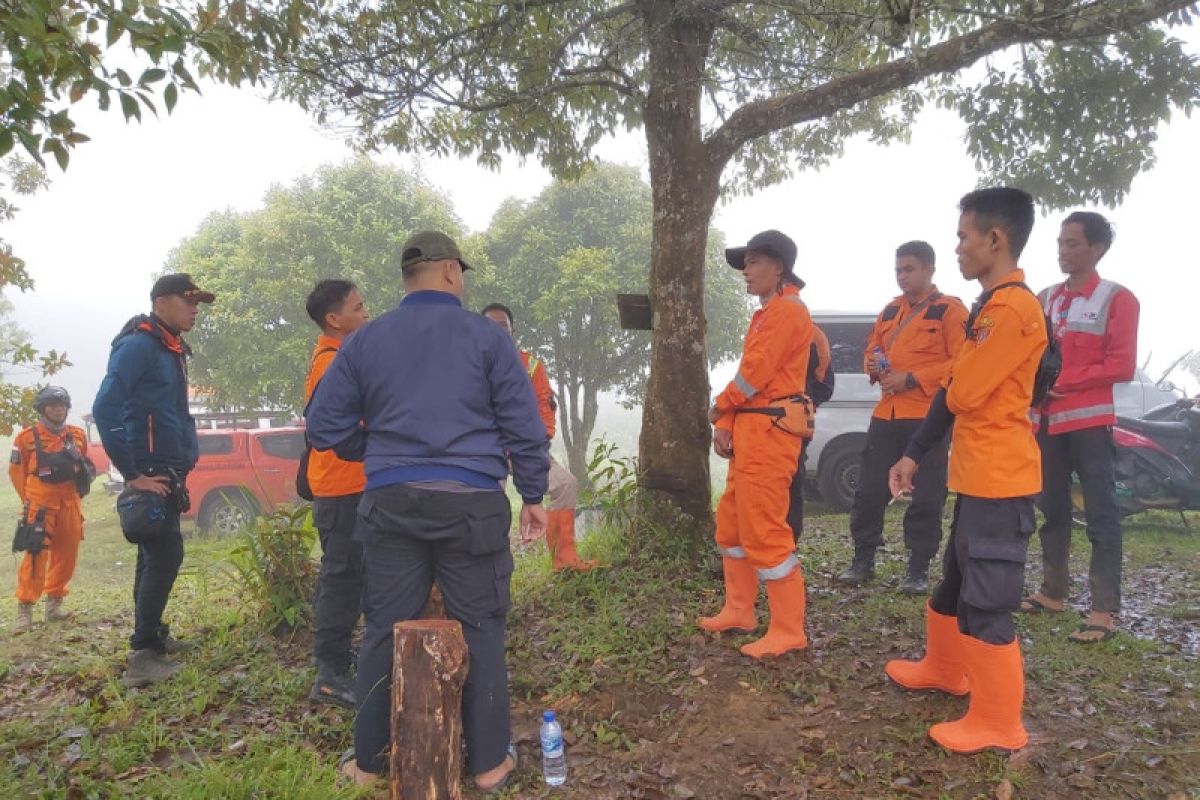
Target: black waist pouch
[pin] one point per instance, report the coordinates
(144, 515)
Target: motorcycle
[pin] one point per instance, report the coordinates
(1157, 461)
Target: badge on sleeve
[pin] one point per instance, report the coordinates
(982, 328)
(15, 458)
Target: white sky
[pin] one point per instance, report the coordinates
(93, 239)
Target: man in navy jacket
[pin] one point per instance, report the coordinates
(434, 400)
(142, 413)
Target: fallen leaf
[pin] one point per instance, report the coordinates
(683, 792)
(1004, 790)
(697, 672)
(1078, 744)
(77, 732)
(238, 747)
(1154, 761)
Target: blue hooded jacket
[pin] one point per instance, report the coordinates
(428, 392)
(141, 409)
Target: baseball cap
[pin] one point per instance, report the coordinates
(773, 243)
(430, 246)
(180, 283)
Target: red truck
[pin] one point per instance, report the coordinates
(240, 474)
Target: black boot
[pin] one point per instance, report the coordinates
(333, 687)
(862, 569)
(916, 581)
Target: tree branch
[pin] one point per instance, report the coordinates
(763, 117)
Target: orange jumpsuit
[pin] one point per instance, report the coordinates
(752, 514)
(48, 572)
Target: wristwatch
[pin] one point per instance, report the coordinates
(910, 381)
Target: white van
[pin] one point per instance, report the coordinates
(841, 432)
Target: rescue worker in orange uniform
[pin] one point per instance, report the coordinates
(919, 334)
(337, 486)
(49, 470)
(564, 487)
(820, 385)
(760, 421)
(995, 467)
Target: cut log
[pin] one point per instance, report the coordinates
(429, 668)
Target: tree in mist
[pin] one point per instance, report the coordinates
(1061, 97)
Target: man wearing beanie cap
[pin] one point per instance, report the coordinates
(760, 420)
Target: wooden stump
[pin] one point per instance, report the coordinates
(428, 670)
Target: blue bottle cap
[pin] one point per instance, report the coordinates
(547, 716)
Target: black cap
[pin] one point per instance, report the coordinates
(773, 243)
(430, 246)
(180, 283)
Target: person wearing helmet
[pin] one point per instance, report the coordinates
(50, 470)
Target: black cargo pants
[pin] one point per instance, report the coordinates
(886, 442)
(338, 601)
(984, 566)
(413, 537)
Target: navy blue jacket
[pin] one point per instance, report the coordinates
(430, 391)
(141, 409)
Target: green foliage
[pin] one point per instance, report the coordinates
(559, 262)
(346, 221)
(784, 84)
(274, 564)
(611, 486)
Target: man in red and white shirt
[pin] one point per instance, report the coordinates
(1095, 323)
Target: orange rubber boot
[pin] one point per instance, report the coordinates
(741, 590)
(997, 678)
(785, 599)
(942, 667)
(560, 538)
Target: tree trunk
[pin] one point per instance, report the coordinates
(685, 183)
(430, 666)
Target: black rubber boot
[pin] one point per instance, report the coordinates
(861, 570)
(916, 581)
(332, 687)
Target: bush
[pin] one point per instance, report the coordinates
(274, 565)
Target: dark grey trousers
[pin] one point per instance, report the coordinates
(413, 537)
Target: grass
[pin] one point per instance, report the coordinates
(650, 705)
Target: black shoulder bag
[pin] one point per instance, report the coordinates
(303, 488)
(1051, 362)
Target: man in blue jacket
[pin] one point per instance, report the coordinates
(142, 413)
(434, 399)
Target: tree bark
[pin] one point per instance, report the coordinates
(430, 666)
(685, 182)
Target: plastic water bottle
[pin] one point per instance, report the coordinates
(554, 759)
(881, 360)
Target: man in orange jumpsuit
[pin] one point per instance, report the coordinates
(337, 486)
(995, 467)
(49, 472)
(564, 487)
(760, 420)
(916, 336)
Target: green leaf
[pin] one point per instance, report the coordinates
(7, 141)
(116, 27)
(170, 97)
(151, 75)
(129, 107)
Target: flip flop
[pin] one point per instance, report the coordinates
(1108, 634)
(1031, 605)
(499, 785)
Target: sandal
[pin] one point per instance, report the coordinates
(1079, 634)
(1031, 605)
(347, 769)
(499, 785)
